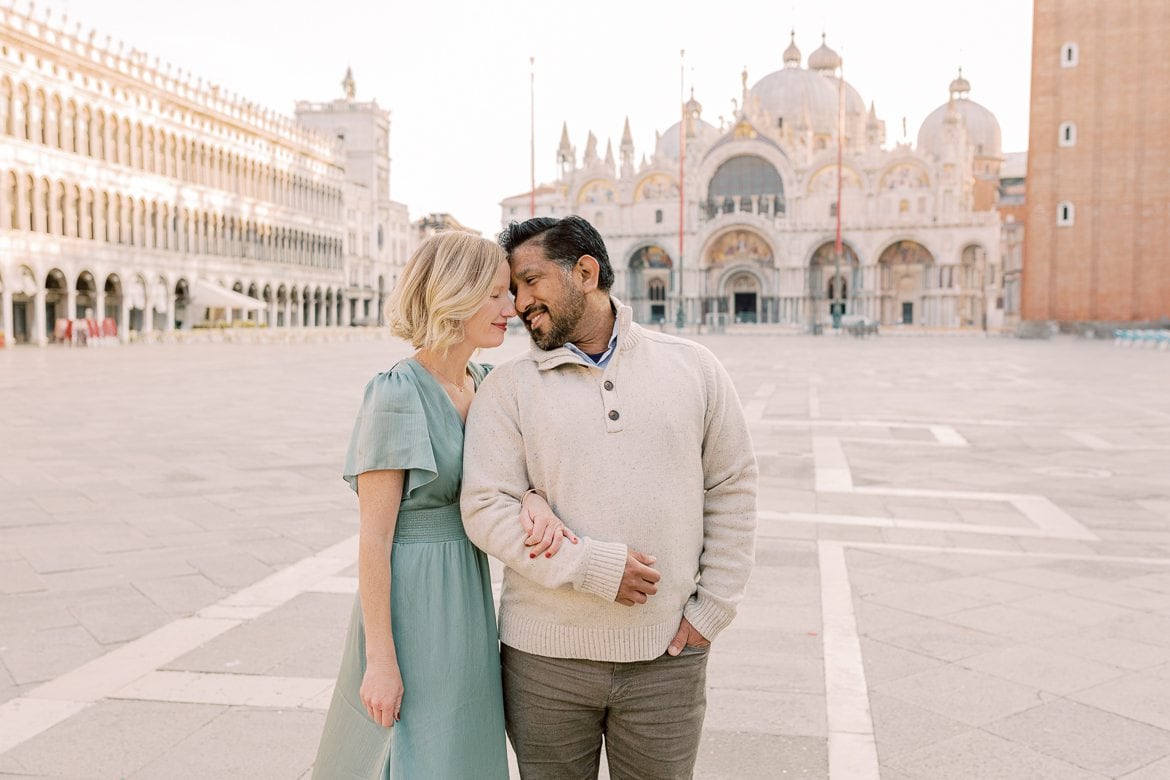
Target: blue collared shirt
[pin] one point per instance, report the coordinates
(603, 360)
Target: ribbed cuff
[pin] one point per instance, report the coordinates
(604, 569)
(707, 617)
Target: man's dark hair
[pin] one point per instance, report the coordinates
(563, 240)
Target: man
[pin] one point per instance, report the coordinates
(640, 444)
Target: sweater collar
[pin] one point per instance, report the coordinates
(627, 335)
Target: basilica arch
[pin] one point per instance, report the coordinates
(745, 183)
(739, 265)
(648, 282)
(833, 285)
(905, 269)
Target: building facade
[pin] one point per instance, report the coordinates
(921, 236)
(138, 193)
(1098, 190)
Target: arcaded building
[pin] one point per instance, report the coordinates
(1097, 246)
(133, 191)
(920, 229)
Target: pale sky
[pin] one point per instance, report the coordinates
(454, 73)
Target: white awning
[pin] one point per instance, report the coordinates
(216, 297)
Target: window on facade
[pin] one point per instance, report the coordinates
(1068, 134)
(1065, 213)
(657, 290)
(903, 206)
(1069, 55)
(745, 179)
(658, 217)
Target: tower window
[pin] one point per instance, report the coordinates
(1069, 55)
(1068, 134)
(1065, 213)
(658, 216)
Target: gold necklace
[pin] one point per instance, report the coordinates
(439, 375)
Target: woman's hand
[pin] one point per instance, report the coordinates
(545, 530)
(382, 691)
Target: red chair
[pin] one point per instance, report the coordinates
(109, 328)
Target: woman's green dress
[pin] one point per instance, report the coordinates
(442, 615)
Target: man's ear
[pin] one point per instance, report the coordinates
(588, 271)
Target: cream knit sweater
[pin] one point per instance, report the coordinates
(652, 452)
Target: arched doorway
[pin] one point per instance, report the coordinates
(306, 308)
(833, 282)
(647, 282)
(24, 295)
(113, 288)
(739, 297)
(136, 304)
(743, 293)
(381, 302)
(269, 319)
(182, 298)
(56, 295)
(282, 307)
(252, 315)
(329, 307)
(904, 268)
(160, 305)
(86, 305)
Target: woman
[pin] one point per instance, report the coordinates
(418, 694)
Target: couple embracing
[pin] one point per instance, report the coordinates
(609, 469)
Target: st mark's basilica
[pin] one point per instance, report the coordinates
(920, 230)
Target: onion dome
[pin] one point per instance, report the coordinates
(792, 54)
(824, 58)
(982, 126)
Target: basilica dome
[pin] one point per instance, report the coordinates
(786, 93)
(982, 126)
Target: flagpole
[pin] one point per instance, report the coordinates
(836, 300)
(532, 136)
(681, 320)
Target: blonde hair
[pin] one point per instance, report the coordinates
(446, 280)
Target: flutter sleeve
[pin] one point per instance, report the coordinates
(391, 433)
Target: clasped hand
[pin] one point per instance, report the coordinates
(545, 531)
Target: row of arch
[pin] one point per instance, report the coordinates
(747, 175)
(59, 208)
(903, 286)
(31, 115)
(138, 302)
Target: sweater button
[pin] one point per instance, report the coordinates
(608, 385)
(613, 415)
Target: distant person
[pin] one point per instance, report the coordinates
(640, 444)
(418, 694)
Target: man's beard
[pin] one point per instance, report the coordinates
(559, 325)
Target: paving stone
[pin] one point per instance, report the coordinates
(988, 589)
(727, 755)
(1085, 736)
(116, 614)
(230, 570)
(42, 655)
(901, 727)
(111, 738)
(1141, 696)
(932, 602)
(243, 742)
(964, 695)
(1007, 621)
(16, 576)
(1158, 770)
(1039, 668)
(183, 595)
(884, 663)
(939, 639)
(1116, 651)
(1144, 628)
(1084, 612)
(977, 755)
(302, 638)
(789, 714)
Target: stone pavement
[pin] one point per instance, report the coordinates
(963, 568)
